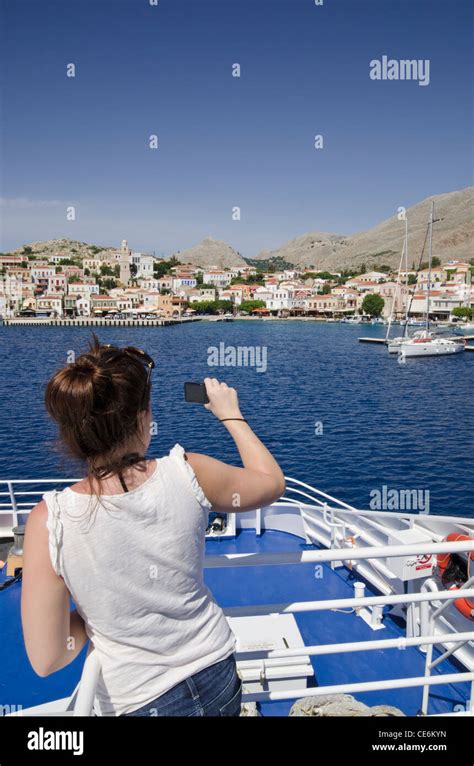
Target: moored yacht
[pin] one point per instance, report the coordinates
(429, 343)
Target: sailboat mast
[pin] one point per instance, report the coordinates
(406, 264)
(398, 285)
(430, 257)
(407, 302)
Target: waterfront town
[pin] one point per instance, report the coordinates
(120, 284)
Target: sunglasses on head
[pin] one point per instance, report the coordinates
(142, 356)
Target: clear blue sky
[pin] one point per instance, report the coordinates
(225, 141)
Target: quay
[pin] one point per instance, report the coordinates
(95, 322)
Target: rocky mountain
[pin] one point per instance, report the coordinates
(211, 252)
(68, 248)
(307, 250)
(453, 237)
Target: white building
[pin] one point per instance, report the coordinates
(42, 273)
(183, 281)
(143, 263)
(281, 299)
(218, 278)
(83, 306)
(50, 304)
(57, 284)
(82, 288)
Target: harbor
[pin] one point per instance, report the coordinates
(352, 393)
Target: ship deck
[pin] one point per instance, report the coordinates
(20, 686)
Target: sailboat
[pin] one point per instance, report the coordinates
(426, 342)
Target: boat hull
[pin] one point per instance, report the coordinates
(394, 346)
(431, 348)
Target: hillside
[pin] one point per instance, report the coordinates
(69, 248)
(211, 252)
(453, 238)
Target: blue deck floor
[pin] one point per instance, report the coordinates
(19, 685)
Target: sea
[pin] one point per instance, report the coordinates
(342, 416)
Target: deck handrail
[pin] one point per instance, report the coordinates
(339, 507)
(82, 699)
(335, 554)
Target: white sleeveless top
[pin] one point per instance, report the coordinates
(134, 567)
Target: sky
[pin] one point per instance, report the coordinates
(226, 142)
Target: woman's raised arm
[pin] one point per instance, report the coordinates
(261, 480)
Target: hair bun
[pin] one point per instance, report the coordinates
(84, 366)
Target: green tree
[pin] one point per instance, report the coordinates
(107, 284)
(373, 305)
(205, 307)
(225, 306)
(463, 312)
(161, 268)
(412, 279)
(249, 305)
(212, 307)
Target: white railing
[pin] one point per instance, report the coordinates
(84, 693)
(82, 700)
(429, 640)
(269, 657)
(21, 502)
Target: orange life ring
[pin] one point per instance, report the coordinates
(464, 605)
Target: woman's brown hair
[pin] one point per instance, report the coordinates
(97, 403)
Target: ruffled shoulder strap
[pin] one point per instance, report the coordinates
(55, 529)
(178, 455)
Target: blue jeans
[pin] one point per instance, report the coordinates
(214, 691)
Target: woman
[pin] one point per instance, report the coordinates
(127, 544)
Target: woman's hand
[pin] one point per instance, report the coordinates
(223, 401)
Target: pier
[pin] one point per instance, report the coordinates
(95, 322)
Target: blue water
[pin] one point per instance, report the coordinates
(403, 426)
